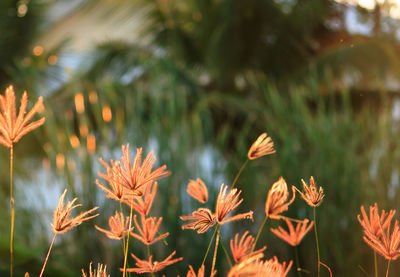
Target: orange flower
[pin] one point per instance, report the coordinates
(148, 230)
(277, 200)
(198, 190)
(203, 219)
(13, 127)
(149, 266)
(273, 268)
(62, 223)
(227, 203)
(261, 147)
(375, 224)
(242, 249)
(119, 226)
(311, 195)
(247, 267)
(117, 191)
(192, 273)
(142, 204)
(377, 233)
(294, 237)
(135, 177)
(101, 271)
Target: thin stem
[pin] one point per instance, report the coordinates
(209, 246)
(12, 213)
(148, 256)
(127, 243)
(298, 269)
(316, 241)
(225, 251)
(259, 233)
(375, 264)
(216, 249)
(238, 174)
(123, 237)
(387, 270)
(48, 254)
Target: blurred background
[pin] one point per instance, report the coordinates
(197, 82)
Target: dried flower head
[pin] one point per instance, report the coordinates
(261, 147)
(119, 226)
(311, 194)
(101, 271)
(273, 268)
(277, 200)
(148, 230)
(13, 127)
(117, 191)
(377, 233)
(203, 219)
(294, 237)
(226, 203)
(198, 190)
(200, 273)
(149, 266)
(243, 248)
(137, 176)
(247, 267)
(376, 223)
(142, 204)
(62, 223)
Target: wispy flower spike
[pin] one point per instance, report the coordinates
(261, 147)
(311, 194)
(135, 177)
(119, 227)
(274, 268)
(374, 225)
(243, 249)
(226, 203)
(101, 271)
(277, 199)
(295, 236)
(203, 219)
(149, 266)
(142, 204)
(12, 126)
(62, 222)
(200, 273)
(198, 190)
(116, 190)
(148, 230)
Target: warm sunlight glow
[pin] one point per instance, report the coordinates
(107, 115)
(79, 103)
(392, 7)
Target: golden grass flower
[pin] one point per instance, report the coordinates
(377, 232)
(148, 230)
(200, 273)
(198, 190)
(137, 176)
(294, 236)
(119, 226)
(144, 266)
(311, 194)
(116, 190)
(62, 222)
(242, 249)
(273, 268)
(261, 147)
(247, 267)
(101, 271)
(12, 126)
(203, 219)
(142, 204)
(226, 203)
(277, 199)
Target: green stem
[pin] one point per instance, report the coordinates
(127, 243)
(12, 213)
(298, 269)
(209, 246)
(238, 174)
(148, 256)
(316, 241)
(47, 256)
(375, 264)
(225, 251)
(387, 270)
(216, 249)
(123, 238)
(259, 233)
